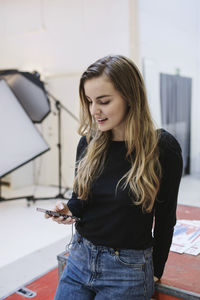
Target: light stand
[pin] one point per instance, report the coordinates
(60, 195)
(32, 95)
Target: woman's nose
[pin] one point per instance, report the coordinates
(94, 109)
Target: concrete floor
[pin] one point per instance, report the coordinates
(30, 243)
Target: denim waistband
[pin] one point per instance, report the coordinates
(146, 252)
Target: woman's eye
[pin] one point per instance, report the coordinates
(106, 102)
(102, 103)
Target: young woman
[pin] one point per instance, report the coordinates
(127, 179)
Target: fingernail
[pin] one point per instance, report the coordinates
(61, 206)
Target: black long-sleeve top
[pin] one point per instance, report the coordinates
(110, 218)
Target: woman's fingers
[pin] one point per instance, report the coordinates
(62, 220)
(68, 221)
(61, 207)
(47, 216)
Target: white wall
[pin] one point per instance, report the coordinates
(60, 38)
(169, 38)
(63, 35)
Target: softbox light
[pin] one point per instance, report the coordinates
(30, 92)
(19, 139)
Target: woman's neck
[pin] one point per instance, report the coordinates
(118, 134)
(118, 137)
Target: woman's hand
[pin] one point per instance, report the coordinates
(61, 207)
(156, 279)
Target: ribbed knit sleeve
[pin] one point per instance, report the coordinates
(166, 203)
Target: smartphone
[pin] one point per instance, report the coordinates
(56, 214)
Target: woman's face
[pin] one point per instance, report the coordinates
(106, 105)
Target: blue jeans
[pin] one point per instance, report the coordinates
(100, 273)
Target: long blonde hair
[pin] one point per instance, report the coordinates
(143, 178)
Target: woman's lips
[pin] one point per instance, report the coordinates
(101, 121)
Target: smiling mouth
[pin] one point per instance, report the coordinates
(101, 120)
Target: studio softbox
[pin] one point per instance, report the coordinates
(20, 141)
(30, 92)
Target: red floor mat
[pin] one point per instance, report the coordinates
(44, 287)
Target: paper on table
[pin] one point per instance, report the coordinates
(186, 238)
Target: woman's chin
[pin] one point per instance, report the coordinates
(101, 128)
